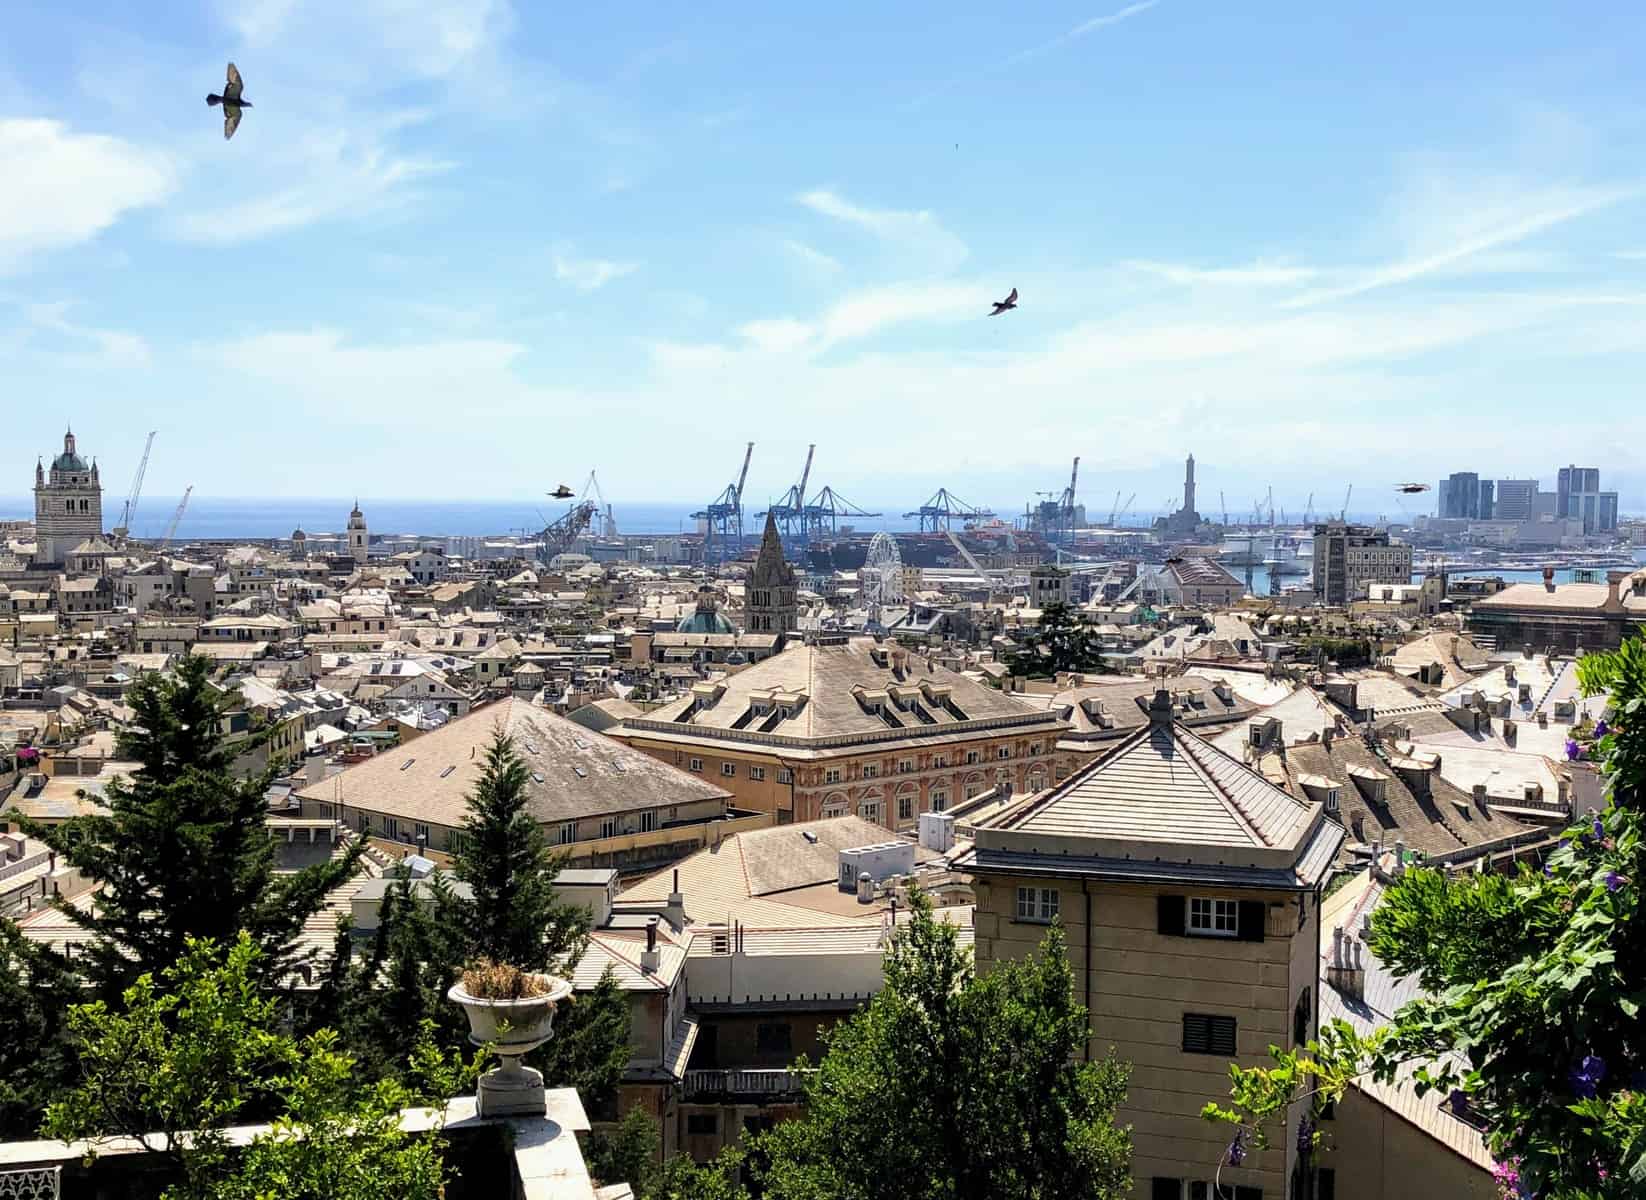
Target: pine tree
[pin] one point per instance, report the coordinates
(183, 851)
(515, 915)
(36, 990)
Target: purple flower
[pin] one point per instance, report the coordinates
(1601, 728)
(1614, 881)
(1459, 1102)
(1600, 828)
(1586, 1076)
(1237, 1148)
(1573, 750)
(1549, 870)
(1306, 1135)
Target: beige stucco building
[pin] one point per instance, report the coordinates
(839, 727)
(1189, 888)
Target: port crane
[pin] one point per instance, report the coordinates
(1120, 515)
(823, 512)
(938, 513)
(1309, 510)
(126, 514)
(723, 529)
(790, 511)
(1224, 505)
(608, 523)
(1053, 516)
(176, 518)
(1343, 515)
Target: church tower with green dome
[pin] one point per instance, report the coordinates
(68, 505)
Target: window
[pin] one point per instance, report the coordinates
(420, 831)
(1300, 1019)
(1333, 798)
(784, 775)
(696, 764)
(905, 808)
(729, 770)
(1037, 904)
(831, 775)
(391, 827)
(869, 810)
(568, 832)
(648, 820)
(1003, 752)
(940, 801)
(871, 770)
(757, 773)
(1213, 918)
(1207, 1034)
(905, 766)
(942, 760)
(702, 1124)
(774, 1037)
(608, 827)
(973, 758)
(1034, 749)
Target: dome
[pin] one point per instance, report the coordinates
(297, 535)
(69, 461)
(708, 618)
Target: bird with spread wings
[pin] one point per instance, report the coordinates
(231, 100)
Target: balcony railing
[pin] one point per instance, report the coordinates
(712, 1085)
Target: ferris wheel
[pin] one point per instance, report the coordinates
(882, 575)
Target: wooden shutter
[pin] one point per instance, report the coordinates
(1254, 915)
(1170, 913)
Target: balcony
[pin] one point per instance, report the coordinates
(709, 1086)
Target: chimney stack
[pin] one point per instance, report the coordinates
(865, 888)
(1347, 971)
(649, 957)
(675, 909)
(1160, 710)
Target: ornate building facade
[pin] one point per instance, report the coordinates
(68, 505)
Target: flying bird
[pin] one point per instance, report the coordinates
(1001, 306)
(1412, 489)
(231, 102)
(562, 493)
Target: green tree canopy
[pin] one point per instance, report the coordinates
(183, 851)
(1533, 1019)
(515, 915)
(954, 1086)
(201, 1046)
(1061, 642)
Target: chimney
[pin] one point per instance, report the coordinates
(675, 910)
(865, 888)
(1327, 734)
(1479, 791)
(1614, 581)
(1160, 710)
(1346, 972)
(1510, 732)
(649, 958)
(1400, 857)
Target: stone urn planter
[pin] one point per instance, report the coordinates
(512, 1027)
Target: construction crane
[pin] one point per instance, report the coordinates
(1114, 509)
(171, 526)
(972, 562)
(1124, 509)
(1271, 503)
(790, 511)
(939, 512)
(723, 531)
(1053, 515)
(126, 514)
(1344, 514)
(1224, 505)
(608, 523)
(1309, 510)
(559, 536)
(1067, 522)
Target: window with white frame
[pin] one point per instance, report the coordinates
(757, 773)
(695, 764)
(784, 775)
(568, 832)
(1037, 904)
(940, 800)
(1003, 752)
(973, 758)
(905, 808)
(609, 827)
(831, 775)
(648, 820)
(871, 770)
(729, 770)
(1210, 917)
(869, 810)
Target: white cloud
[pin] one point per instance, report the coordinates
(64, 188)
(1451, 220)
(812, 259)
(590, 274)
(113, 347)
(1080, 31)
(320, 176)
(432, 39)
(1257, 274)
(915, 232)
(777, 335)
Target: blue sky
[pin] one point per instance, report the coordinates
(469, 250)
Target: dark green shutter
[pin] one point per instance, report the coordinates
(1170, 911)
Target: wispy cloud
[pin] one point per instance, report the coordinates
(589, 274)
(1079, 31)
(1258, 274)
(916, 232)
(113, 347)
(1451, 225)
(64, 188)
(812, 259)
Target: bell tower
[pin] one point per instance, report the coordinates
(359, 537)
(68, 504)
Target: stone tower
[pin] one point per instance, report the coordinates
(770, 599)
(68, 504)
(359, 537)
(1188, 485)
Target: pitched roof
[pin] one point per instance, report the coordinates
(575, 772)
